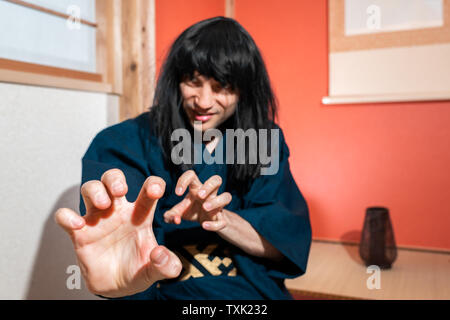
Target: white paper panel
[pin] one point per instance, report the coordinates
(86, 7)
(403, 70)
(375, 16)
(31, 36)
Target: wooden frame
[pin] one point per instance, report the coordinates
(47, 70)
(108, 77)
(339, 42)
(125, 64)
(391, 44)
(387, 98)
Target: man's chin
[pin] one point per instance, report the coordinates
(199, 126)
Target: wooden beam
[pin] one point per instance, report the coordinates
(229, 8)
(48, 70)
(101, 38)
(131, 99)
(49, 11)
(115, 59)
(148, 52)
(138, 57)
(109, 42)
(44, 80)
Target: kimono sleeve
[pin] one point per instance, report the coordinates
(119, 146)
(277, 210)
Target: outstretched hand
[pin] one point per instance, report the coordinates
(201, 204)
(114, 242)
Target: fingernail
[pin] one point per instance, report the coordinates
(202, 193)
(161, 258)
(155, 189)
(207, 225)
(207, 205)
(75, 222)
(179, 190)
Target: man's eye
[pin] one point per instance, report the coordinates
(219, 87)
(194, 82)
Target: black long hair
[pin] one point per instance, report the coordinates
(218, 48)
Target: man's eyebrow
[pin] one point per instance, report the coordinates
(190, 77)
(198, 76)
(195, 75)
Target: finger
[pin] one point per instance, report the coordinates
(217, 202)
(95, 196)
(176, 212)
(152, 190)
(211, 185)
(214, 225)
(187, 179)
(164, 264)
(69, 220)
(115, 183)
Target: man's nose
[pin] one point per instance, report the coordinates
(205, 97)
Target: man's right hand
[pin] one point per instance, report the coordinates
(114, 242)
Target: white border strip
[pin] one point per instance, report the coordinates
(408, 97)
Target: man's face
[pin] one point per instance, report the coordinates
(206, 101)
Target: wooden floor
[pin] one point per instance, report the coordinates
(335, 271)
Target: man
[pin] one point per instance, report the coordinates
(156, 223)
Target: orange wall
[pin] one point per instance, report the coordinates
(174, 16)
(344, 158)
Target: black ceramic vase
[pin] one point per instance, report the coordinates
(377, 246)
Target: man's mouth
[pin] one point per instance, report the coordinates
(203, 117)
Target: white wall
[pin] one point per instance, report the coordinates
(44, 132)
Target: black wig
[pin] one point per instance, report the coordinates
(218, 48)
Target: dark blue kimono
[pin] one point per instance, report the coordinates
(212, 267)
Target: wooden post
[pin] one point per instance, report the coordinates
(109, 43)
(138, 57)
(229, 8)
(131, 99)
(115, 46)
(148, 52)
